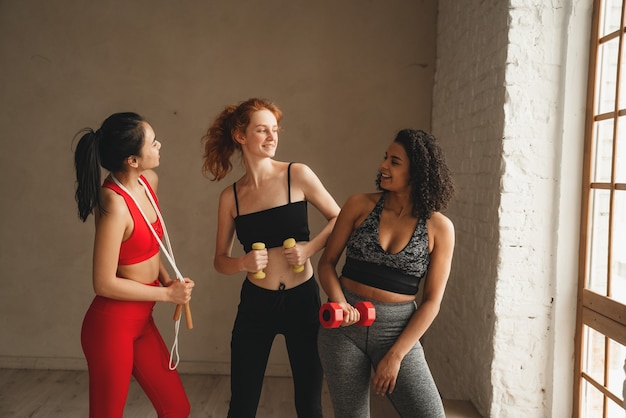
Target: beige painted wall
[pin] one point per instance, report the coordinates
(347, 74)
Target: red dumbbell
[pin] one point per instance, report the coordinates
(331, 314)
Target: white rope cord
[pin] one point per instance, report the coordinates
(169, 254)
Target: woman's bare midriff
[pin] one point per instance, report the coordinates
(279, 272)
(372, 293)
(145, 272)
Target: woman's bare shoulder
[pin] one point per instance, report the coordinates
(363, 198)
(441, 224)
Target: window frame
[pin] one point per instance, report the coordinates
(597, 311)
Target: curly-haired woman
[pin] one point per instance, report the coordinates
(393, 239)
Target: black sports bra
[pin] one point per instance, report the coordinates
(273, 226)
(368, 263)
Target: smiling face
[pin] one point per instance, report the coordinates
(395, 169)
(261, 135)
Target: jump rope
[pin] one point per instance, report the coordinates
(169, 254)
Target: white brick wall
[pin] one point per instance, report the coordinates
(468, 119)
(499, 111)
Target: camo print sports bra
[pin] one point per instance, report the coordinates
(368, 263)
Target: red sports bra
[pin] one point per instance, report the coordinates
(141, 245)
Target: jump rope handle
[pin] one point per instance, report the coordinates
(188, 318)
(259, 274)
(290, 243)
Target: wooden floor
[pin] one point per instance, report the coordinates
(64, 394)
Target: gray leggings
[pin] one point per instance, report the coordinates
(349, 353)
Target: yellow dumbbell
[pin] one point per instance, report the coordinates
(290, 243)
(259, 274)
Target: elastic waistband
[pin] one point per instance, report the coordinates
(380, 277)
(124, 308)
(385, 311)
(304, 287)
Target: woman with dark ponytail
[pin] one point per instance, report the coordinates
(119, 336)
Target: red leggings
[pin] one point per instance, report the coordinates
(120, 338)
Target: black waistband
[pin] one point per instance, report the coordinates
(380, 277)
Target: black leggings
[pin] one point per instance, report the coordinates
(263, 314)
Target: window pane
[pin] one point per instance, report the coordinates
(610, 17)
(592, 401)
(603, 151)
(607, 76)
(593, 354)
(620, 158)
(618, 279)
(616, 363)
(598, 252)
(622, 73)
(615, 410)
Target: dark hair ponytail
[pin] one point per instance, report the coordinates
(87, 165)
(120, 136)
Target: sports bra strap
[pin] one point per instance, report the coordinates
(289, 181)
(236, 201)
(288, 188)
